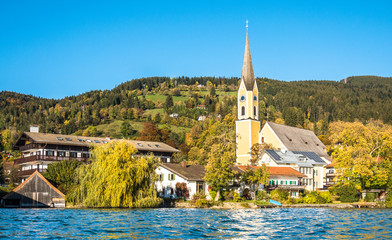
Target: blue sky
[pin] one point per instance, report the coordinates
(61, 48)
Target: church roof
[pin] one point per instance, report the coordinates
(298, 139)
(247, 68)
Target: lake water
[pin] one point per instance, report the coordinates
(279, 223)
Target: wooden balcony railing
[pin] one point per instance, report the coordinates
(45, 158)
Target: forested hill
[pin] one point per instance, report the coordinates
(298, 103)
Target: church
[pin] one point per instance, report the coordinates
(294, 147)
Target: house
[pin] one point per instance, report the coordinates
(180, 180)
(307, 163)
(36, 191)
(174, 115)
(280, 178)
(40, 149)
(293, 139)
(201, 118)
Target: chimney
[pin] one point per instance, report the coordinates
(183, 164)
(34, 129)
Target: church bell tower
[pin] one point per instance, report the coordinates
(247, 123)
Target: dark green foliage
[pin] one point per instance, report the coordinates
(62, 174)
(127, 130)
(370, 197)
(361, 98)
(168, 103)
(346, 192)
(280, 195)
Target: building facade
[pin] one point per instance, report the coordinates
(38, 150)
(171, 175)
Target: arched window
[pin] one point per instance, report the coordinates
(254, 111)
(262, 139)
(242, 111)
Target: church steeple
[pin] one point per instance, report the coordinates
(247, 68)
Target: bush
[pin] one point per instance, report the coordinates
(199, 196)
(212, 194)
(327, 196)
(202, 203)
(388, 199)
(279, 195)
(346, 192)
(231, 196)
(261, 195)
(148, 202)
(370, 197)
(313, 198)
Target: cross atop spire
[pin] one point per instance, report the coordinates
(247, 68)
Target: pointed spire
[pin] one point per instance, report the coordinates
(247, 68)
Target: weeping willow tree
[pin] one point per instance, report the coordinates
(116, 178)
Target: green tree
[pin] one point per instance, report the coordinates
(127, 130)
(116, 178)
(62, 174)
(168, 103)
(255, 177)
(221, 154)
(362, 153)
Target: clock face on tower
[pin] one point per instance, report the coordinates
(255, 98)
(242, 98)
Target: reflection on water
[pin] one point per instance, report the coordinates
(279, 223)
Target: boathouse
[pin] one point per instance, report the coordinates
(36, 191)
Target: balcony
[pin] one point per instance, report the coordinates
(46, 158)
(287, 187)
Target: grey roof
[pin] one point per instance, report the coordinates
(298, 139)
(300, 158)
(247, 68)
(72, 140)
(189, 172)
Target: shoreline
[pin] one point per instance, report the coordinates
(246, 205)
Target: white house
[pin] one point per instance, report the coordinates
(280, 178)
(171, 175)
(308, 163)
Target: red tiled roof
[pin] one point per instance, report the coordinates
(277, 171)
(330, 165)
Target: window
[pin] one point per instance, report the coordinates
(254, 98)
(315, 172)
(96, 141)
(156, 145)
(242, 111)
(68, 139)
(85, 155)
(254, 111)
(104, 141)
(262, 139)
(171, 177)
(80, 140)
(61, 154)
(73, 154)
(49, 153)
(140, 145)
(199, 187)
(281, 182)
(160, 177)
(60, 138)
(88, 140)
(164, 159)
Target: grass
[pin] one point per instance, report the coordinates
(113, 129)
(184, 96)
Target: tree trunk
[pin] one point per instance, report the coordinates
(217, 195)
